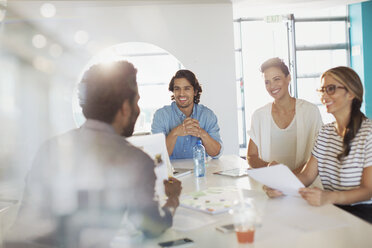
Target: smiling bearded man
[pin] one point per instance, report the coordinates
(185, 120)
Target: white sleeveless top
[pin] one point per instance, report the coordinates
(284, 143)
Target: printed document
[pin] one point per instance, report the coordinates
(278, 177)
(154, 145)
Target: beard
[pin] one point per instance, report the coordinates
(129, 129)
(183, 106)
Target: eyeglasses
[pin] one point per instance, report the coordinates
(330, 89)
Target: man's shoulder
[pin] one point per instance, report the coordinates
(165, 110)
(135, 153)
(122, 149)
(102, 145)
(61, 139)
(204, 109)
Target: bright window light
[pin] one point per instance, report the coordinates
(155, 68)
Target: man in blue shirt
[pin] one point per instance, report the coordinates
(185, 121)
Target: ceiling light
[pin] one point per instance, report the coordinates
(47, 10)
(39, 41)
(81, 37)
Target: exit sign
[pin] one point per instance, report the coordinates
(273, 19)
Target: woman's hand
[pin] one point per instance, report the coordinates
(316, 196)
(272, 163)
(272, 193)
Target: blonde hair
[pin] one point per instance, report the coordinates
(275, 62)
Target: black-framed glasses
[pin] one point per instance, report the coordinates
(330, 89)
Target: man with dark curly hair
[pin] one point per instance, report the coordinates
(185, 120)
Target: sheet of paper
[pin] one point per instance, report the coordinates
(278, 177)
(154, 145)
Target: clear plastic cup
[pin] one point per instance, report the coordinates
(244, 216)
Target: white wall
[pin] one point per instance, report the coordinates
(199, 36)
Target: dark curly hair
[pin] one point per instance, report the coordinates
(350, 79)
(275, 62)
(189, 76)
(104, 88)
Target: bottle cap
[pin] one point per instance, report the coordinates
(199, 142)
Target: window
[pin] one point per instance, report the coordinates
(321, 43)
(259, 41)
(155, 69)
(309, 43)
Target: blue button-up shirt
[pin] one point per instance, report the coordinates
(169, 117)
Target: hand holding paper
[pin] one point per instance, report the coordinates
(154, 146)
(278, 177)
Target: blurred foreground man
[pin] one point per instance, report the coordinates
(87, 184)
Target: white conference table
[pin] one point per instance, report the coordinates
(288, 221)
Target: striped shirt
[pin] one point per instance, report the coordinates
(345, 174)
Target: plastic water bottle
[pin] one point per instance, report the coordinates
(198, 152)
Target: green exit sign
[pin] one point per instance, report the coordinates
(273, 19)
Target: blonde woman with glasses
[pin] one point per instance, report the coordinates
(342, 155)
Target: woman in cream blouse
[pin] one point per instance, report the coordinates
(283, 131)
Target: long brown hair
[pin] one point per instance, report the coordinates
(350, 79)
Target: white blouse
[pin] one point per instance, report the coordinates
(284, 143)
(308, 122)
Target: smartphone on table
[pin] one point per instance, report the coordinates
(226, 228)
(178, 243)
